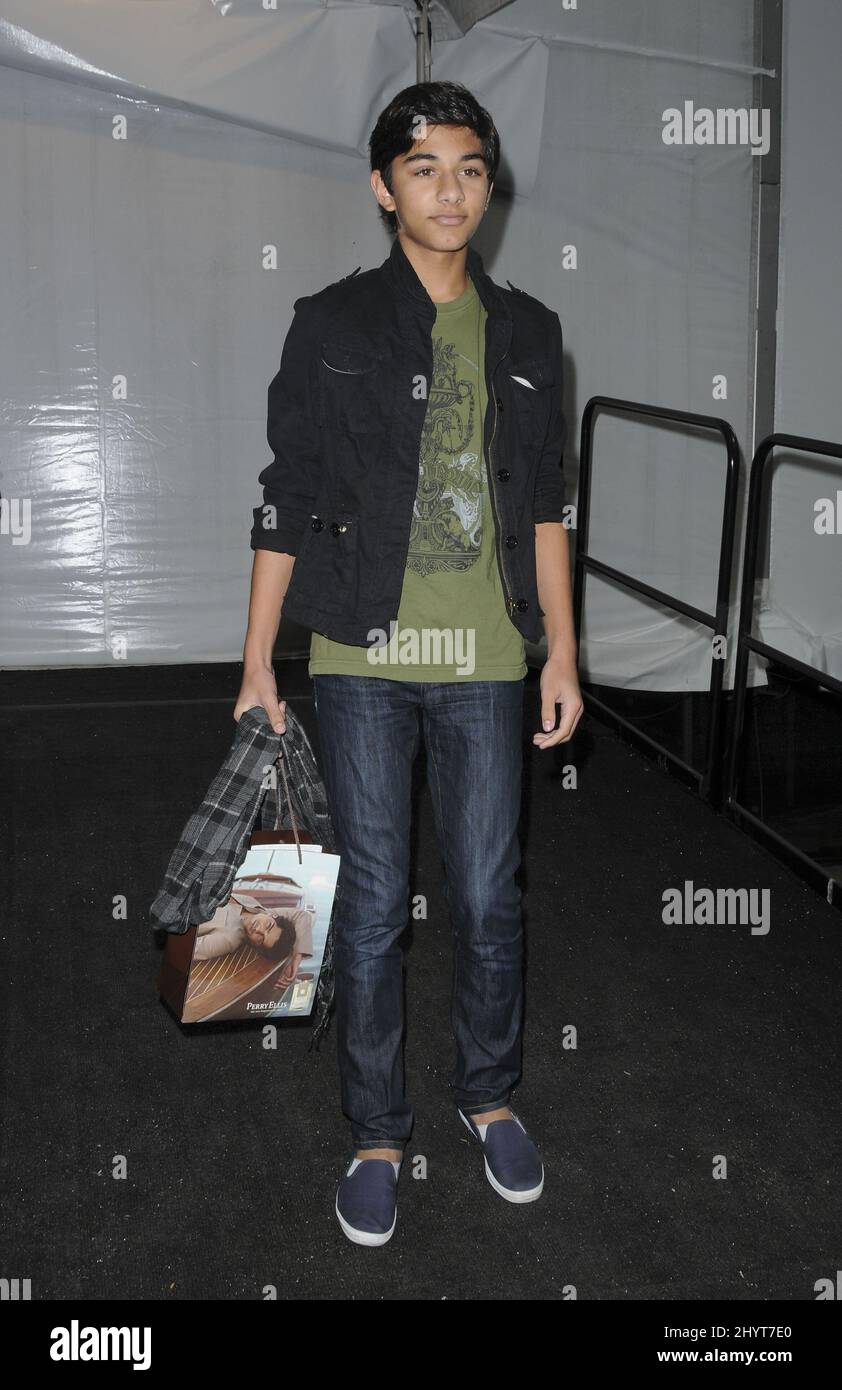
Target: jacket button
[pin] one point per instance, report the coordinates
(338, 528)
(511, 542)
(503, 474)
(317, 523)
(499, 403)
(522, 605)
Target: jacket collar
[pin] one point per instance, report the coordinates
(405, 279)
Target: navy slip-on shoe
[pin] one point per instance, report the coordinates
(512, 1163)
(366, 1200)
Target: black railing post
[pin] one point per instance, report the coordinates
(747, 643)
(708, 777)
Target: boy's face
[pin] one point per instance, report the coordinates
(440, 187)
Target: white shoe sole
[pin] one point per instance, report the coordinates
(365, 1237)
(530, 1194)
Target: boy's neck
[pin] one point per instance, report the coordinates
(442, 273)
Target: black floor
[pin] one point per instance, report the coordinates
(693, 1043)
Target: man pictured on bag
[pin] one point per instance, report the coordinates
(285, 933)
(412, 519)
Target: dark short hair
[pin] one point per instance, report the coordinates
(440, 103)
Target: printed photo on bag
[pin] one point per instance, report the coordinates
(260, 954)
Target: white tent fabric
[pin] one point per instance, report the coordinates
(802, 602)
(307, 71)
(173, 181)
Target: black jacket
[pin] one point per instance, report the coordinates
(346, 411)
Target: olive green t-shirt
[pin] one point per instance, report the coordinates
(452, 622)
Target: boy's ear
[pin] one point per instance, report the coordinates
(374, 181)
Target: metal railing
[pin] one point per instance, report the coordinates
(708, 777)
(747, 643)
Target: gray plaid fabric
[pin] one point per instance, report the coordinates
(214, 842)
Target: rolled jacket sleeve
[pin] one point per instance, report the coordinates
(290, 482)
(548, 500)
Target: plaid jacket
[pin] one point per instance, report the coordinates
(213, 844)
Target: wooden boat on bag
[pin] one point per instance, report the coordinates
(243, 983)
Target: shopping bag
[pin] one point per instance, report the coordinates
(261, 953)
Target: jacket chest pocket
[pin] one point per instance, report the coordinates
(351, 391)
(531, 384)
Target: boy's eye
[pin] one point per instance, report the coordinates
(429, 170)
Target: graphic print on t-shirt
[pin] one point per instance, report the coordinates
(446, 529)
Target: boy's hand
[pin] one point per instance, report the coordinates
(559, 685)
(259, 688)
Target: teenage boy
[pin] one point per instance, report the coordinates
(412, 519)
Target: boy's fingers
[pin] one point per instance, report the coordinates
(278, 716)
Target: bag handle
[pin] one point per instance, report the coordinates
(281, 762)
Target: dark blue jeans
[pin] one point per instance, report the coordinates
(369, 737)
